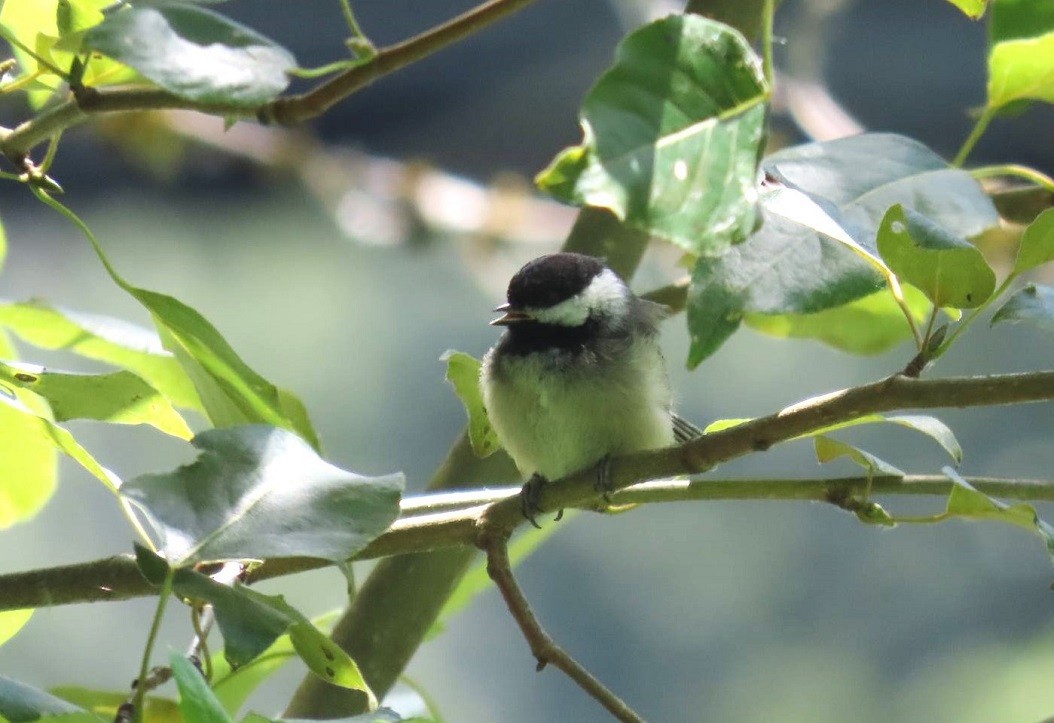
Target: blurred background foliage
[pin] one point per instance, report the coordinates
(342, 259)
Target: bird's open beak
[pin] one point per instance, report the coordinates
(509, 316)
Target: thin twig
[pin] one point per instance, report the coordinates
(543, 647)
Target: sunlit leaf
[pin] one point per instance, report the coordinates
(462, 371)
(119, 397)
(672, 134)
(104, 339)
(1021, 70)
(260, 492)
(27, 479)
(966, 501)
(816, 249)
(106, 703)
(195, 53)
(949, 270)
(870, 325)
(972, 8)
(11, 621)
(1033, 304)
(932, 427)
(1037, 243)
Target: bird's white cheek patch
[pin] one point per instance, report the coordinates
(605, 295)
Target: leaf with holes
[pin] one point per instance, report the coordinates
(672, 135)
(949, 270)
(259, 492)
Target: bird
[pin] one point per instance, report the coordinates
(578, 375)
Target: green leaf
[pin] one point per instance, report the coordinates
(1012, 19)
(27, 479)
(195, 53)
(11, 621)
(1021, 69)
(104, 339)
(32, 27)
(816, 249)
(828, 449)
(154, 567)
(381, 715)
(251, 623)
(972, 8)
(966, 501)
(21, 703)
(870, 325)
(721, 425)
(671, 135)
(196, 701)
(119, 397)
(462, 371)
(949, 270)
(105, 703)
(259, 492)
(233, 686)
(922, 423)
(1037, 243)
(1033, 303)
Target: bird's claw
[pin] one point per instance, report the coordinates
(603, 484)
(530, 500)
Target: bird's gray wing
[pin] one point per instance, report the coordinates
(683, 430)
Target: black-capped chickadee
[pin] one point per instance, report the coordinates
(578, 375)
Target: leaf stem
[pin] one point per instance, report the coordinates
(140, 684)
(768, 14)
(975, 135)
(969, 320)
(1013, 169)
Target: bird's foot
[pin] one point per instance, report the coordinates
(603, 484)
(530, 500)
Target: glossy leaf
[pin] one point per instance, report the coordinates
(462, 371)
(932, 427)
(233, 686)
(259, 492)
(195, 53)
(104, 339)
(966, 501)
(21, 703)
(671, 135)
(196, 701)
(972, 8)
(949, 270)
(1037, 243)
(12, 621)
(816, 249)
(119, 397)
(1033, 303)
(870, 325)
(251, 623)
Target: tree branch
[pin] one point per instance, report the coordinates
(17, 143)
(543, 647)
(456, 524)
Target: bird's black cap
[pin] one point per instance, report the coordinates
(550, 279)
